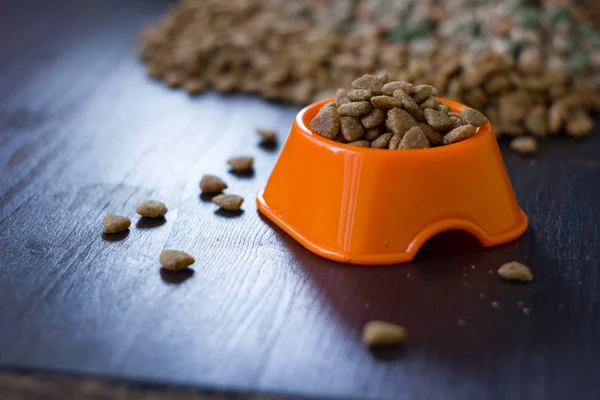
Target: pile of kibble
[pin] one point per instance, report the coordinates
(532, 68)
(393, 115)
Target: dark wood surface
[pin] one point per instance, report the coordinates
(84, 132)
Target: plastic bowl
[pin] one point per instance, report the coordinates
(375, 206)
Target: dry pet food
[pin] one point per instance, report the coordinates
(524, 145)
(212, 184)
(229, 202)
(241, 164)
(383, 334)
(175, 260)
(411, 118)
(151, 209)
(268, 136)
(515, 271)
(115, 223)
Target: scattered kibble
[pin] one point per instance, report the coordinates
(527, 311)
(241, 164)
(515, 271)
(115, 224)
(482, 295)
(212, 184)
(383, 334)
(524, 145)
(495, 304)
(151, 209)
(229, 202)
(175, 260)
(268, 136)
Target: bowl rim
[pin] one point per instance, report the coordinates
(332, 144)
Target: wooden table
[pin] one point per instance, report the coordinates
(84, 132)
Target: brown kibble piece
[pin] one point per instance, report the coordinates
(241, 164)
(194, 86)
(354, 109)
(341, 97)
(414, 139)
(579, 124)
(456, 122)
(383, 334)
(371, 134)
(434, 137)
(115, 224)
(382, 141)
(536, 121)
(229, 202)
(515, 271)
(368, 82)
(524, 145)
(268, 136)
(373, 118)
(212, 184)
(399, 121)
(326, 123)
(359, 95)
(360, 143)
(557, 113)
(422, 92)
(351, 128)
(395, 141)
(385, 102)
(473, 117)
(444, 108)
(175, 260)
(438, 120)
(407, 102)
(417, 114)
(459, 134)
(430, 102)
(389, 88)
(151, 209)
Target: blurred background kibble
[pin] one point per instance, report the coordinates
(533, 67)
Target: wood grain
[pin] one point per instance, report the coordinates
(84, 132)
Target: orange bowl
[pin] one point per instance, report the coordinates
(375, 206)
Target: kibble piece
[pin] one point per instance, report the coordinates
(341, 97)
(373, 118)
(360, 143)
(422, 92)
(414, 139)
(151, 209)
(515, 271)
(399, 121)
(351, 128)
(269, 136)
(212, 184)
(115, 224)
(326, 123)
(385, 102)
(557, 113)
(430, 102)
(456, 122)
(438, 120)
(536, 121)
(382, 141)
(368, 82)
(395, 141)
(229, 202)
(384, 78)
(194, 86)
(417, 114)
(445, 108)
(407, 102)
(354, 109)
(383, 334)
(459, 134)
(241, 164)
(524, 145)
(579, 124)
(389, 88)
(175, 260)
(434, 137)
(359, 95)
(371, 134)
(473, 117)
